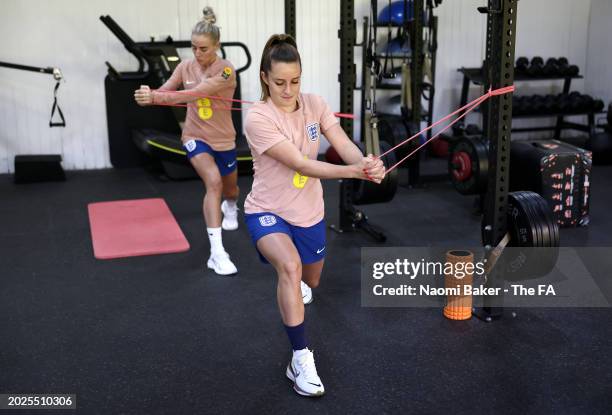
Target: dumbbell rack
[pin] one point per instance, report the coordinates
(475, 75)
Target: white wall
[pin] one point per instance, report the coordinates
(69, 35)
(598, 81)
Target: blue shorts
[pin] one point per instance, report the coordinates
(226, 160)
(310, 241)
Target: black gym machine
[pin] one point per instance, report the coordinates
(57, 75)
(507, 217)
(41, 167)
(142, 136)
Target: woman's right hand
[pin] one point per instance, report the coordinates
(143, 96)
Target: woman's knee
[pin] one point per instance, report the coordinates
(213, 185)
(290, 270)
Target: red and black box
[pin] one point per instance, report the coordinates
(559, 172)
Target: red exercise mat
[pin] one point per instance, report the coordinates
(134, 227)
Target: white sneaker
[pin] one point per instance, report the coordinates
(306, 293)
(303, 373)
(230, 217)
(221, 264)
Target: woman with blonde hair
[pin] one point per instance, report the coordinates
(208, 135)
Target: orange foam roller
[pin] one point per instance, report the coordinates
(459, 307)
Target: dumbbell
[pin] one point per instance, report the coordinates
(531, 104)
(592, 105)
(538, 104)
(551, 104)
(521, 64)
(535, 104)
(473, 129)
(537, 64)
(563, 102)
(588, 103)
(598, 105)
(551, 68)
(515, 101)
(565, 69)
(468, 130)
(519, 105)
(576, 102)
(524, 105)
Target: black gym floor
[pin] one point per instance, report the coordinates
(163, 335)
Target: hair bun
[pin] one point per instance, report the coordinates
(209, 15)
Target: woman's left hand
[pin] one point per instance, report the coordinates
(375, 169)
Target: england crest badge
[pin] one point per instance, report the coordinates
(312, 130)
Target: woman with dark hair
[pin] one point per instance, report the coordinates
(284, 210)
(208, 135)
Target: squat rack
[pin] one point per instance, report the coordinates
(290, 26)
(497, 117)
(497, 123)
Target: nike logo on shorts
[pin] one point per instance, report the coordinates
(320, 250)
(231, 164)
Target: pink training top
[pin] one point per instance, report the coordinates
(276, 188)
(206, 119)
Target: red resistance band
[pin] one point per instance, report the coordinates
(467, 108)
(230, 108)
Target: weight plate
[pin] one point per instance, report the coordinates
(521, 230)
(533, 217)
(531, 225)
(550, 228)
(393, 130)
(475, 181)
(462, 166)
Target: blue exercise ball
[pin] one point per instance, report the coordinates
(399, 47)
(394, 13)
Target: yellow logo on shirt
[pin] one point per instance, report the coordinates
(227, 72)
(204, 108)
(299, 181)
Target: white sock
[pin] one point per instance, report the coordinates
(231, 204)
(216, 243)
